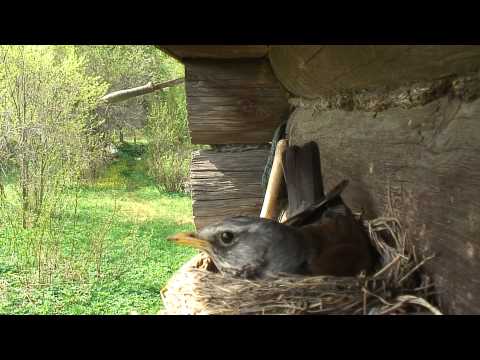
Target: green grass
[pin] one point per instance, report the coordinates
(109, 256)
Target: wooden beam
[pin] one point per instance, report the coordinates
(169, 53)
(227, 183)
(233, 102)
(181, 52)
(311, 71)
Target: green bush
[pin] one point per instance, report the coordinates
(47, 104)
(169, 148)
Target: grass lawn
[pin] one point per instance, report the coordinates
(109, 256)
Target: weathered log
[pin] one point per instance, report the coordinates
(316, 70)
(181, 52)
(233, 101)
(419, 164)
(122, 95)
(226, 183)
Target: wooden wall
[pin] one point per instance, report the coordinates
(311, 71)
(421, 165)
(402, 124)
(236, 101)
(216, 51)
(227, 183)
(231, 101)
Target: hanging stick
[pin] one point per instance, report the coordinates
(270, 208)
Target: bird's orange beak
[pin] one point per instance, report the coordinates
(189, 239)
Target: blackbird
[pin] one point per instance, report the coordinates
(320, 237)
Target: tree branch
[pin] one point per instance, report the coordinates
(126, 94)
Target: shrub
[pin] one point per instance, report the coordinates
(47, 104)
(169, 146)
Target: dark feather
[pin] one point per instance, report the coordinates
(332, 201)
(307, 201)
(303, 177)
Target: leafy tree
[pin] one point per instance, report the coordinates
(123, 66)
(48, 103)
(163, 114)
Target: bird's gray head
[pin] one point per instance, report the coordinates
(247, 245)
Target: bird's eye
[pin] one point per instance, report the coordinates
(226, 237)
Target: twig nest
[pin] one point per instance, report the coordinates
(398, 287)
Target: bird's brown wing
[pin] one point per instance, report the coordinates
(338, 244)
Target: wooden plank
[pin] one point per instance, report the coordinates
(227, 189)
(255, 70)
(242, 111)
(223, 208)
(314, 70)
(234, 101)
(228, 101)
(205, 175)
(235, 83)
(237, 160)
(250, 137)
(240, 93)
(215, 51)
(422, 162)
(226, 183)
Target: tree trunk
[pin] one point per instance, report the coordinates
(24, 182)
(2, 191)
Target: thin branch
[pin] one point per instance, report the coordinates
(126, 94)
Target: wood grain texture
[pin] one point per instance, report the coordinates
(421, 164)
(315, 70)
(226, 184)
(215, 51)
(233, 102)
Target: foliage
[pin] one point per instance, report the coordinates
(169, 142)
(106, 255)
(72, 246)
(163, 114)
(124, 67)
(47, 103)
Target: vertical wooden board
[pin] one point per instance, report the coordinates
(422, 164)
(233, 101)
(226, 184)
